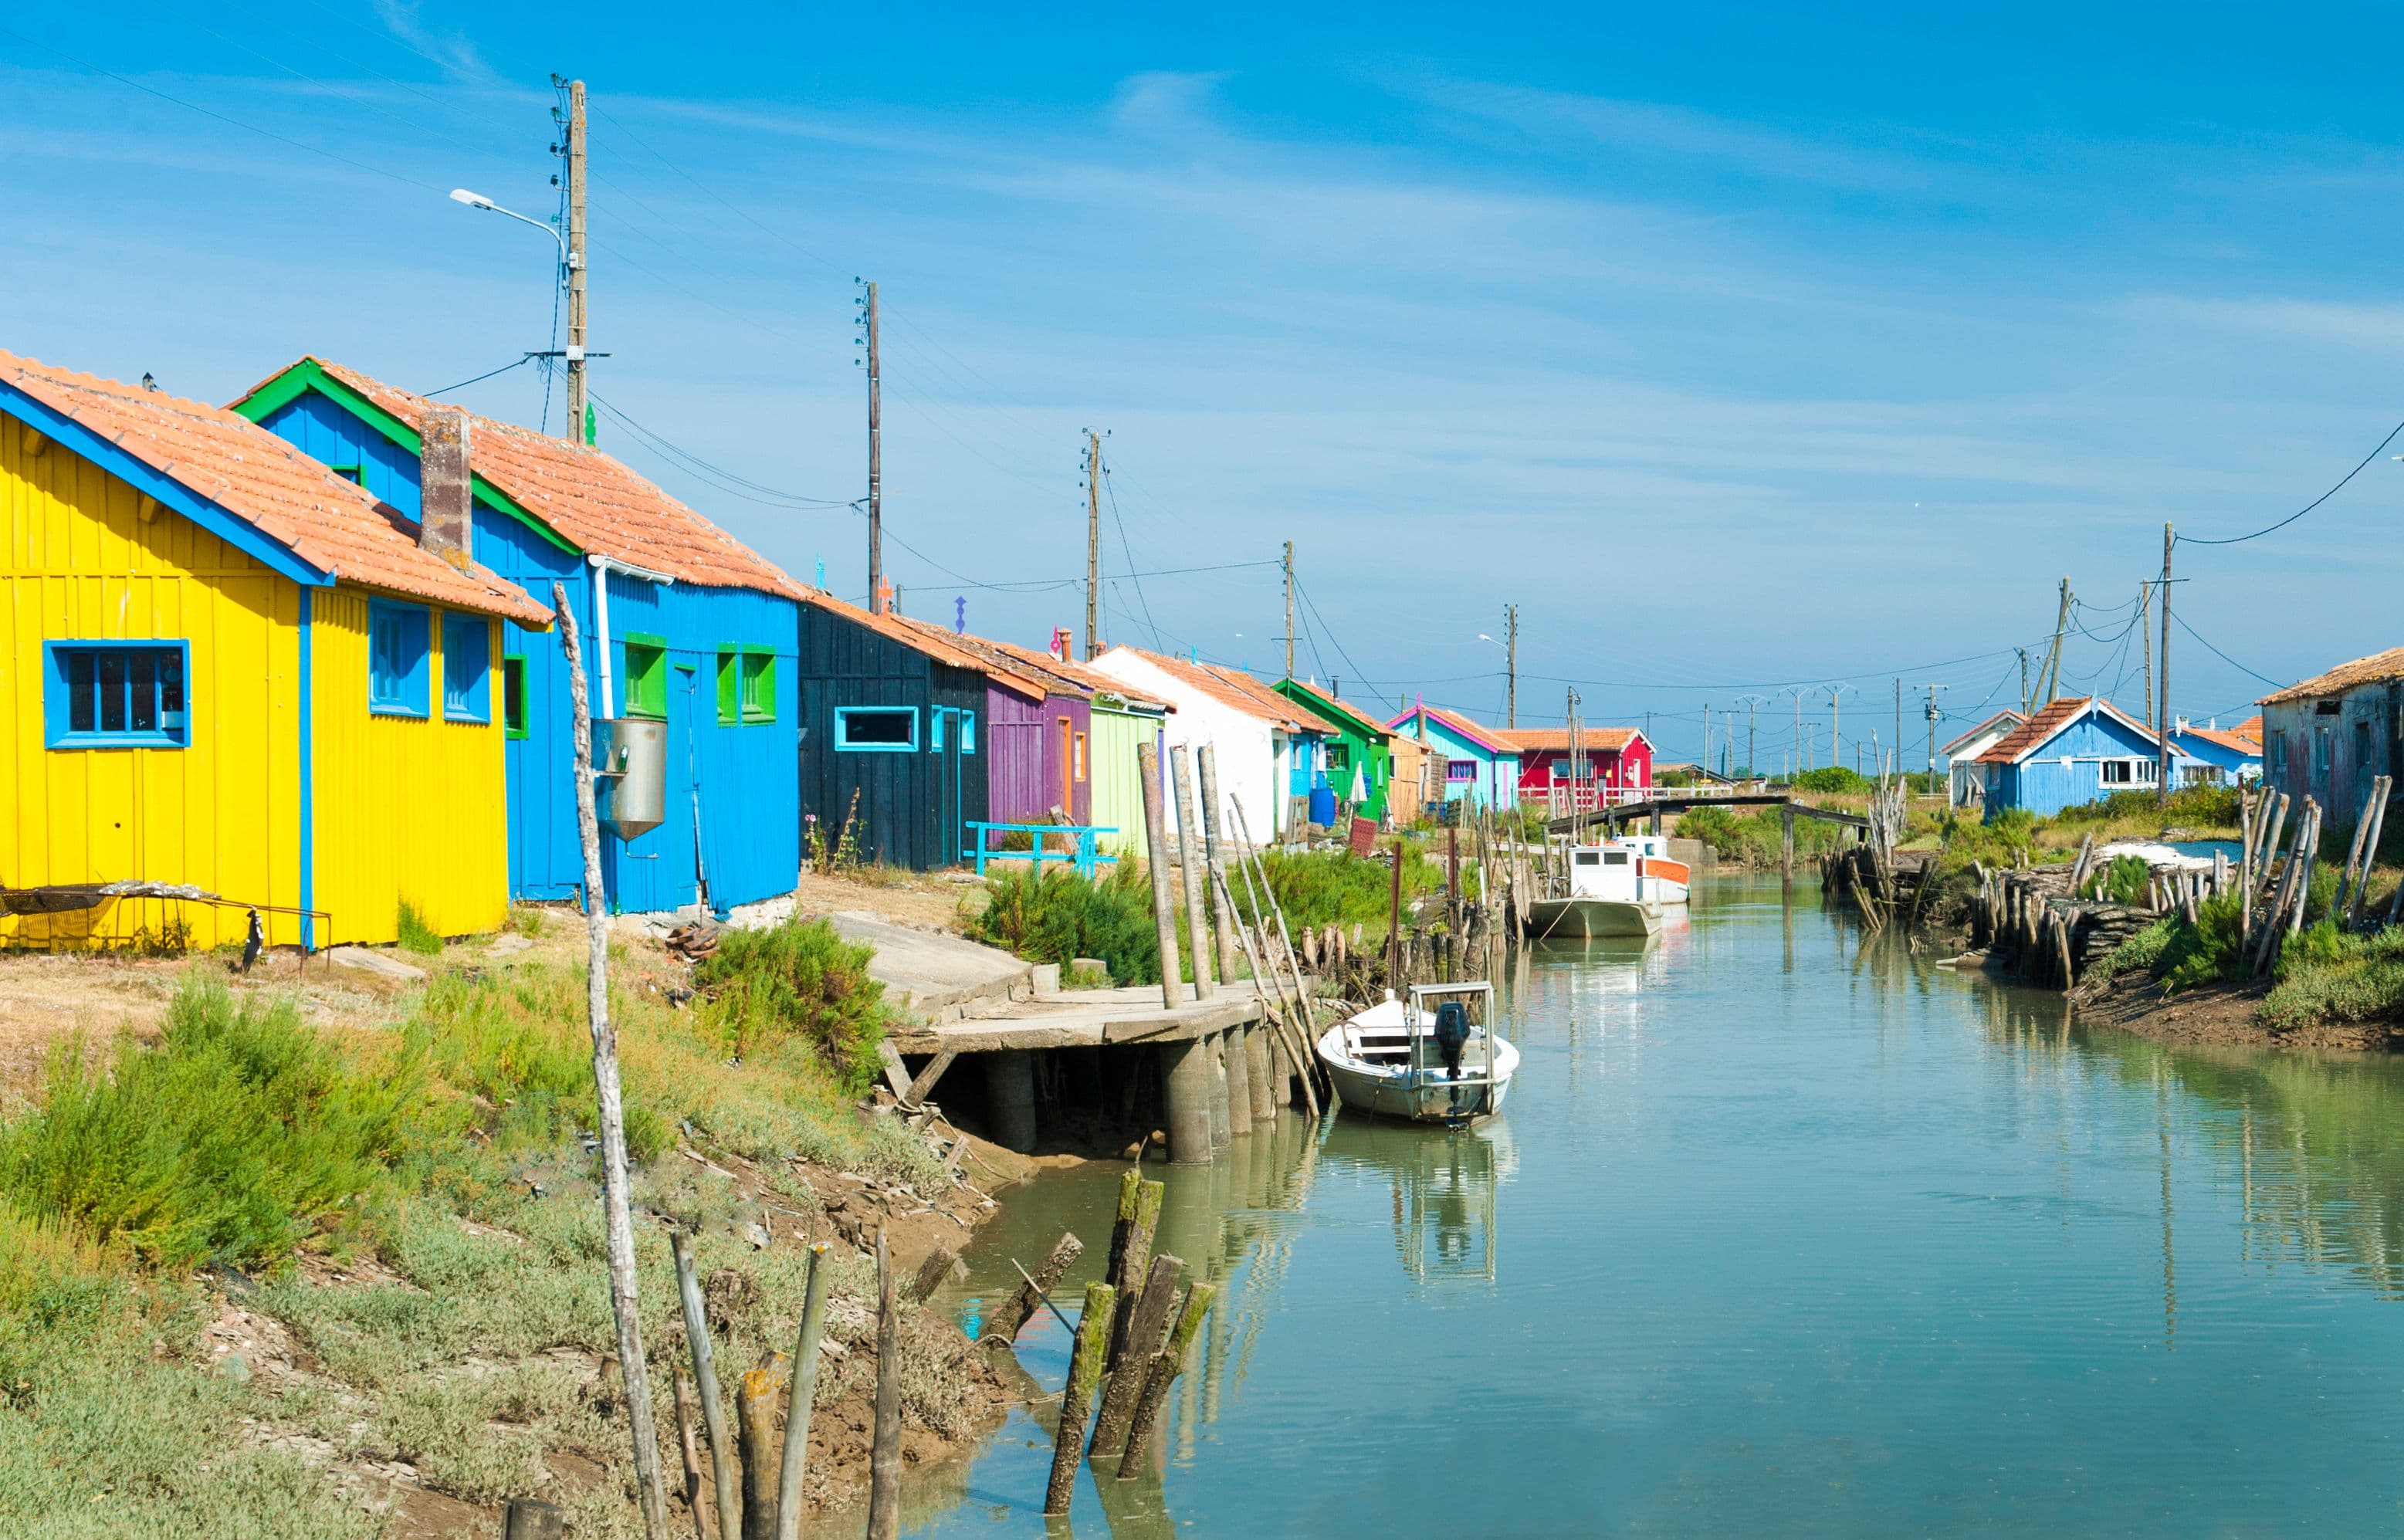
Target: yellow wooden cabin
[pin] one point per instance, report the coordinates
(232, 683)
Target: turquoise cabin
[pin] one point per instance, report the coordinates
(1479, 766)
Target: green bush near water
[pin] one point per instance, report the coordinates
(1831, 777)
(1060, 917)
(1317, 888)
(798, 979)
(1756, 838)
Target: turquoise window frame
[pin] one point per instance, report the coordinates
(843, 715)
(935, 715)
(968, 732)
(466, 667)
(399, 645)
(65, 662)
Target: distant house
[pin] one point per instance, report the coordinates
(1480, 765)
(1123, 718)
(1616, 761)
(2328, 736)
(1965, 783)
(1417, 786)
(1360, 756)
(683, 625)
(2073, 752)
(1268, 750)
(2220, 755)
(232, 674)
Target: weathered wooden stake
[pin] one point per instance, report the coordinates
(609, 1100)
(1014, 1312)
(705, 1516)
(1165, 1365)
(1206, 768)
(1148, 1324)
(705, 1375)
(1077, 1395)
(884, 1450)
(755, 1413)
(1131, 1250)
(1147, 765)
(799, 1398)
(1190, 862)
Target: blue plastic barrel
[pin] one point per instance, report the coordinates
(1323, 808)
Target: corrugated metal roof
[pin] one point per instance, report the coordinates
(327, 521)
(591, 499)
(2375, 669)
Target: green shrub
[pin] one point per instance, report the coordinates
(2337, 978)
(228, 1142)
(2123, 880)
(2207, 952)
(1318, 887)
(1060, 917)
(799, 980)
(2141, 951)
(1755, 837)
(1831, 777)
(415, 934)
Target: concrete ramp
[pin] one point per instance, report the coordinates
(932, 975)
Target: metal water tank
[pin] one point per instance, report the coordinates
(630, 760)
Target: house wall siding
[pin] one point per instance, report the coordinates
(2044, 785)
(1117, 780)
(2362, 743)
(907, 815)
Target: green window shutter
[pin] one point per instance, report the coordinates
(758, 687)
(729, 687)
(646, 677)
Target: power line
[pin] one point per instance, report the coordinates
(2240, 539)
(2181, 622)
(1109, 486)
(523, 360)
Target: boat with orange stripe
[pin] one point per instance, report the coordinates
(1618, 887)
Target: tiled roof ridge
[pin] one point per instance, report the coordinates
(330, 522)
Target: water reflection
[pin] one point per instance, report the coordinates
(1445, 1189)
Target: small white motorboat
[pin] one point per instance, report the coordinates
(1618, 887)
(1434, 1058)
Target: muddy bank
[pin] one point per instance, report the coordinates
(2222, 1015)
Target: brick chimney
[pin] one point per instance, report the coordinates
(443, 488)
(1061, 643)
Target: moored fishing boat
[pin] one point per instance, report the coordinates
(1618, 887)
(1432, 1058)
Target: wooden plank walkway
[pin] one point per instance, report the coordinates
(1082, 1019)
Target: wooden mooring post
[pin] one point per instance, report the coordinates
(1077, 1397)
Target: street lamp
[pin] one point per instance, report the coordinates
(476, 200)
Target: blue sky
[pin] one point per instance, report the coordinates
(1740, 348)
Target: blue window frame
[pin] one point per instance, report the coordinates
(935, 716)
(875, 728)
(968, 732)
(396, 651)
(466, 667)
(101, 694)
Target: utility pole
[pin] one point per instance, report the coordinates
(1899, 716)
(1092, 545)
(1289, 609)
(2145, 635)
(2163, 718)
(1577, 751)
(1707, 735)
(2048, 678)
(876, 465)
(580, 424)
(2024, 694)
(1930, 710)
(1836, 724)
(1752, 759)
(1511, 631)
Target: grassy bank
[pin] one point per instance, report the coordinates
(265, 1276)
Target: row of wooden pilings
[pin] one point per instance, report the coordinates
(1218, 1085)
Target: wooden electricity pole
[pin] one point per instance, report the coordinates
(580, 424)
(1511, 631)
(2146, 636)
(2162, 717)
(1289, 609)
(1093, 545)
(876, 470)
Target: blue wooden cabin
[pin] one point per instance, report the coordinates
(681, 623)
(1479, 767)
(2072, 753)
(893, 735)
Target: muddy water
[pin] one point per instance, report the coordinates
(1781, 1234)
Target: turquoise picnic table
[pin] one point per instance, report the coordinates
(1082, 856)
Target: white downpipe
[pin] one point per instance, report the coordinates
(602, 567)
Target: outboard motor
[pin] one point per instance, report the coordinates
(1451, 1036)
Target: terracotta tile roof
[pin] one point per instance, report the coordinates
(1556, 740)
(1077, 673)
(2028, 735)
(1485, 737)
(327, 521)
(2236, 743)
(2006, 715)
(1235, 688)
(933, 640)
(592, 500)
(1021, 674)
(2375, 669)
(2250, 730)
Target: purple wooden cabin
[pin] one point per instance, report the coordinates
(1038, 747)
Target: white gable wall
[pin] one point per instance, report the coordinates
(1248, 750)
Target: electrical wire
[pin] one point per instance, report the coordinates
(2240, 539)
(523, 361)
(1128, 551)
(2181, 621)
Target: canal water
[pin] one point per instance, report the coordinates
(1782, 1232)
